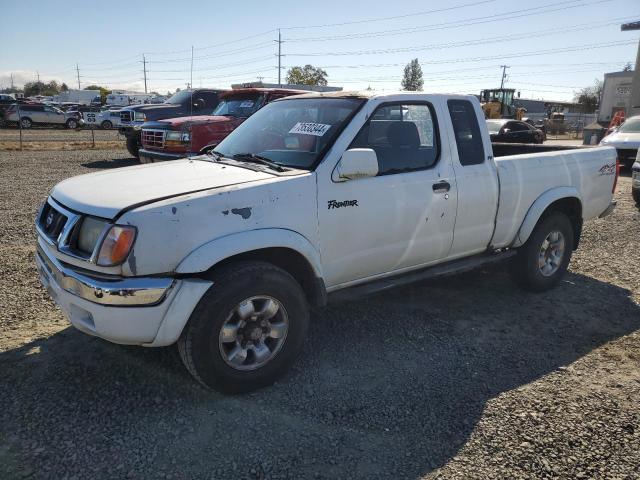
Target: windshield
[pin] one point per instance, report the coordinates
(292, 133)
(494, 127)
(242, 106)
(180, 97)
(630, 126)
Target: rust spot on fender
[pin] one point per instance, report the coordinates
(243, 212)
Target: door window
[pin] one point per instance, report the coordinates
(404, 137)
(517, 127)
(467, 132)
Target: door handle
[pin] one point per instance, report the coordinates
(441, 187)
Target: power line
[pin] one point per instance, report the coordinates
(456, 23)
(395, 17)
(439, 46)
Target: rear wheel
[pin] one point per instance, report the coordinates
(543, 260)
(636, 195)
(72, 124)
(133, 146)
(247, 329)
(25, 122)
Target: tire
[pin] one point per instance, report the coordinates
(72, 124)
(635, 192)
(25, 122)
(537, 269)
(245, 290)
(133, 146)
(106, 125)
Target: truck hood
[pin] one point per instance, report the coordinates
(622, 140)
(199, 120)
(107, 193)
(152, 106)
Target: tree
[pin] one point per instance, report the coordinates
(103, 92)
(412, 80)
(589, 97)
(41, 88)
(307, 75)
(64, 87)
(627, 67)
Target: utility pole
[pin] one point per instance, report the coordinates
(144, 69)
(504, 75)
(12, 82)
(78, 72)
(279, 58)
(38, 74)
(635, 82)
(191, 81)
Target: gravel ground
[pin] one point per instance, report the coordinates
(463, 377)
(37, 134)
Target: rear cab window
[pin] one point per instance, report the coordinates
(467, 132)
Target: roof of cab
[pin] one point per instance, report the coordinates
(289, 91)
(368, 94)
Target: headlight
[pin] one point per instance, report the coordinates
(89, 234)
(139, 117)
(116, 246)
(178, 137)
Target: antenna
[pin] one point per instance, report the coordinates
(191, 103)
(78, 72)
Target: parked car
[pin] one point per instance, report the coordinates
(102, 117)
(514, 131)
(635, 179)
(626, 140)
(181, 137)
(35, 114)
(200, 101)
(312, 198)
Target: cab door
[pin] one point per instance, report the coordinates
(400, 219)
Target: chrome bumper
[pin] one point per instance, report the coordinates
(119, 291)
(609, 209)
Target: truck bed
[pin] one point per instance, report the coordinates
(524, 177)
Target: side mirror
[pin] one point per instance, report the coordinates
(356, 163)
(198, 104)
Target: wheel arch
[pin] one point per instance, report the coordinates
(284, 248)
(563, 199)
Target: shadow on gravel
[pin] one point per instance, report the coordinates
(389, 387)
(114, 163)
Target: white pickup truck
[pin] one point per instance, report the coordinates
(313, 197)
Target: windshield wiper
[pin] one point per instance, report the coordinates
(252, 157)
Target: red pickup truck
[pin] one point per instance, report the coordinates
(181, 137)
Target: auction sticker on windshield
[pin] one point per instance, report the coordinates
(317, 129)
(246, 104)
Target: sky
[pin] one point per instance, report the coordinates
(552, 48)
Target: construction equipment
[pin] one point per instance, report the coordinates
(498, 103)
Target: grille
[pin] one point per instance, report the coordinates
(52, 222)
(126, 116)
(153, 138)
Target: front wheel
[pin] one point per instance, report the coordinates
(247, 330)
(72, 124)
(26, 123)
(543, 260)
(133, 146)
(106, 125)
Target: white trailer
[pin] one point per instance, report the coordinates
(83, 97)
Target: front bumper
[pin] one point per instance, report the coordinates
(137, 311)
(635, 181)
(153, 156)
(130, 128)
